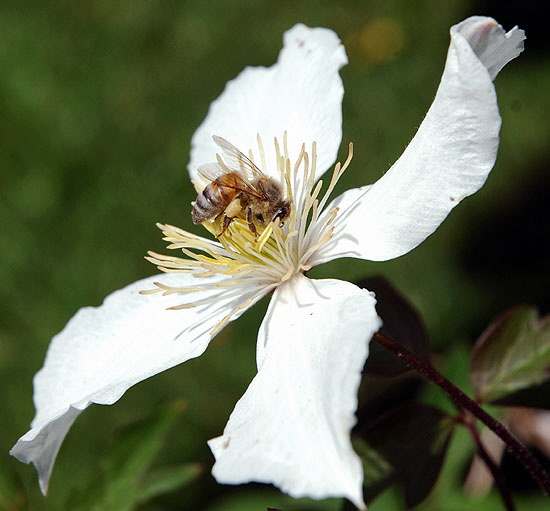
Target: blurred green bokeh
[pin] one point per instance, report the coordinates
(98, 103)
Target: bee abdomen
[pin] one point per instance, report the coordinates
(209, 203)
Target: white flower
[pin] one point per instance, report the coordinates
(292, 426)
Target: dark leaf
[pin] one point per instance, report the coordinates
(401, 322)
(513, 354)
(537, 396)
(406, 446)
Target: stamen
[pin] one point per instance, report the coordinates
(262, 240)
(336, 175)
(253, 263)
(261, 150)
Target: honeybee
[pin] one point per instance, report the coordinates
(239, 189)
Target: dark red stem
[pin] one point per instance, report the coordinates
(462, 401)
(489, 462)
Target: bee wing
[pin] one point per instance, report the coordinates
(215, 172)
(245, 186)
(211, 171)
(237, 161)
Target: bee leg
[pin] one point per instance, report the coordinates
(226, 223)
(231, 211)
(250, 220)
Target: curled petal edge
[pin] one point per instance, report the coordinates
(449, 158)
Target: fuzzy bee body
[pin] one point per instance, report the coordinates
(216, 197)
(241, 190)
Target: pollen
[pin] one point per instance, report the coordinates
(255, 263)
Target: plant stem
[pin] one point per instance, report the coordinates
(461, 400)
(489, 462)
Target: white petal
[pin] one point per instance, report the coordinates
(301, 94)
(103, 351)
(292, 426)
(449, 158)
(494, 47)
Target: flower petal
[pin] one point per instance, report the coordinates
(292, 426)
(103, 351)
(494, 47)
(300, 95)
(449, 158)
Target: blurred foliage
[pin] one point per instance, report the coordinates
(401, 322)
(405, 446)
(512, 354)
(98, 102)
(126, 480)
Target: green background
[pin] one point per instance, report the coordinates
(98, 103)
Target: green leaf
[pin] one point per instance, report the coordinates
(405, 446)
(127, 480)
(167, 479)
(512, 354)
(12, 495)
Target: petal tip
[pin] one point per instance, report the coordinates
(493, 46)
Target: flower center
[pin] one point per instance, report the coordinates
(256, 258)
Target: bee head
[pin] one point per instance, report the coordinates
(282, 212)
